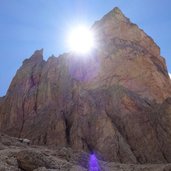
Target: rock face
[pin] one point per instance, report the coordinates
(115, 102)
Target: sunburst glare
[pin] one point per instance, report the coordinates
(81, 40)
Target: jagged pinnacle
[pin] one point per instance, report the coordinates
(38, 52)
(116, 13)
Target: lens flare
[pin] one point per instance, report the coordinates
(93, 163)
(81, 40)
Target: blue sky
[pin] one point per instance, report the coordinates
(27, 25)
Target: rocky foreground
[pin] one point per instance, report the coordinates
(17, 156)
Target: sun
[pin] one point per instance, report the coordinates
(81, 40)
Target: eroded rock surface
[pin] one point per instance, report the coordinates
(115, 102)
(18, 157)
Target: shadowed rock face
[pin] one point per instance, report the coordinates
(115, 102)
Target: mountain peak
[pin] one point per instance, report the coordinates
(116, 13)
(36, 57)
(117, 10)
(39, 52)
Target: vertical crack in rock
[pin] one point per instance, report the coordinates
(67, 129)
(36, 96)
(23, 118)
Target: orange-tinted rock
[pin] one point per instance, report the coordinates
(110, 103)
(130, 58)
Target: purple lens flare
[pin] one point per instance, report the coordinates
(93, 163)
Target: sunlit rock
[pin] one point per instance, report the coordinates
(115, 102)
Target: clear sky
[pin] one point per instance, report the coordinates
(27, 25)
